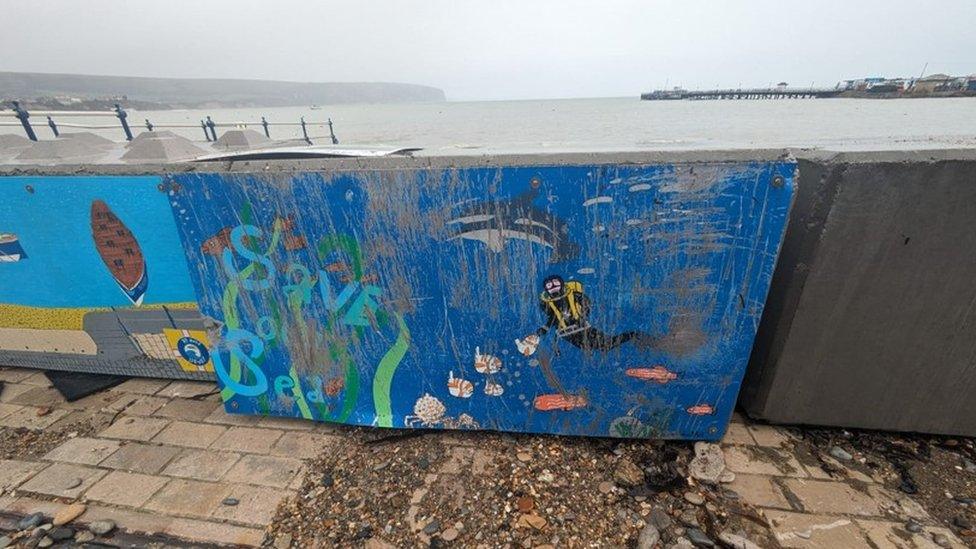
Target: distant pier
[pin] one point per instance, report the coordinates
(755, 93)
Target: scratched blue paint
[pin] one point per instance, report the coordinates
(407, 298)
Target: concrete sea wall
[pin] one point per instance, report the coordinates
(870, 319)
(582, 294)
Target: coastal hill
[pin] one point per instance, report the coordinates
(79, 89)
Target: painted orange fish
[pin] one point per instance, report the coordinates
(334, 386)
(658, 373)
(216, 243)
(548, 403)
(701, 410)
(295, 242)
(286, 223)
(337, 267)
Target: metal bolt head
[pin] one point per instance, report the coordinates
(778, 181)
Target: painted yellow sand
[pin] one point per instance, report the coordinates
(61, 318)
(47, 341)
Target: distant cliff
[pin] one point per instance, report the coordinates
(207, 92)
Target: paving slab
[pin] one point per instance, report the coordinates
(14, 472)
(193, 498)
(211, 532)
(142, 405)
(824, 496)
(201, 464)
(187, 389)
(135, 428)
(304, 445)
(137, 457)
(191, 434)
(186, 409)
(83, 450)
(27, 418)
(256, 504)
(128, 489)
(767, 435)
(63, 480)
(820, 531)
(759, 490)
(13, 390)
(14, 375)
(141, 386)
(276, 472)
(247, 439)
(220, 416)
(7, 409)
(287, 423)
(892, 535)
(760, 460)
(737, 433)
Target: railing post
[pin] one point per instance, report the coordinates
(265, 124)
(332, 133)
(149, 125)
(125, 125)
(54, 127)
(23, 115)
(205, 132)
(213, 128)
(305, 132)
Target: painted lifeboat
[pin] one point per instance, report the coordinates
(120, 252)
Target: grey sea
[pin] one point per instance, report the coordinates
(611, 124)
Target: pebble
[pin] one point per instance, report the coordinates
(913, 526)
(839, 453)
(964, 500)
(962, 522)
(450, 534)
(61, 533)
(45, 542)
(524, 457)
(699, 539)
(969, 465)
(432, 528)
(43, 411)
(736, 542)
(694, 498)
(660, 518)
(84, 537)
(30, 521)
(282, 541)
(605, 487)
(648, 538)
(546, 476)
(805, 534)
(5, 541)
(689, 519)
(69, 513)
(525, 504)
(230, 501)
(942, 540)
(327, 480)
(423, 463)
(628, 474)
(727, 477)
(708, 465)
(101, 527)
(73, 483)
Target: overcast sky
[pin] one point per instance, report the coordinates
(495, 49)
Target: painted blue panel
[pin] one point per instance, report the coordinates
(584, 300)
(92, 275)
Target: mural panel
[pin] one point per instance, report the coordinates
(584, 300)
(92, 275)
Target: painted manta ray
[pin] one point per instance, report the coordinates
(495, 223)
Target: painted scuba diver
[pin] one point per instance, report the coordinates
(566, 309)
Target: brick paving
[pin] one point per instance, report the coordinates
(172, 456)
(164, 466)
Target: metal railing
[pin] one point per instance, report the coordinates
(208, 125)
